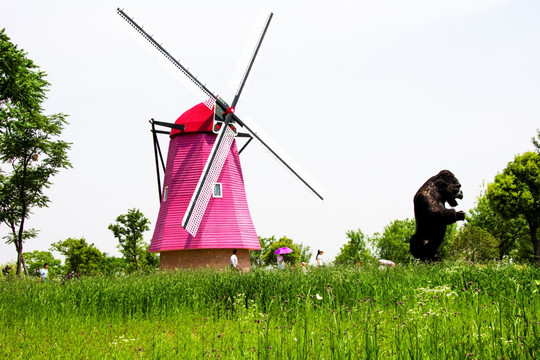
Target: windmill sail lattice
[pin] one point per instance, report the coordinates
(197, 207)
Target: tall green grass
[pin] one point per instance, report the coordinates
(411, 312)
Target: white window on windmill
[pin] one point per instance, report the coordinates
(217, 192)
(165, 193)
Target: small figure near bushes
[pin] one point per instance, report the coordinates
(234, 260)
(319, 258)
(43, 273)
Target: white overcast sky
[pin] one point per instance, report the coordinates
(371, 97)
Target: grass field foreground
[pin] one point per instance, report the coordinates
(439, 311)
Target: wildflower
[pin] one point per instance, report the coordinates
(421, 303)
(295, 339)
(469, 354)
(319, 297)
(213, 349)
(270, 347)
(218, 335)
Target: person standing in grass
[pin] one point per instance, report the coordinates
(234, 260)
(319, 258)
(280, 261)
(43, 273)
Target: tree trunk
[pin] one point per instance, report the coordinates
(24, 266)
(136, 259)
(19, 262)
(536, 246)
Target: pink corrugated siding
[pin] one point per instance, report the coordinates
(227, 222)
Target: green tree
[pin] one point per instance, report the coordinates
(82, 258)
(473, 243)
(29, 144)
(129, 229)
(256, 256)
(536, 141)
(305, 253)
(516, 192)
(35, 260)
(112, 265)
(149, 261)
(393, 244)
(512, 234)
(354, 251)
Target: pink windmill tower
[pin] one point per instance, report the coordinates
(204, 213)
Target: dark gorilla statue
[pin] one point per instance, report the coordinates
(432, 216)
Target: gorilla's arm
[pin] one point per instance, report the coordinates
(433, 208)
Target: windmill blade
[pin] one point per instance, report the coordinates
(203, 191)
(252, 59)
(192, 78)
(218, 154)
(280, 156)
(259, 25)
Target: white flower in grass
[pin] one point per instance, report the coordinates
(319, 297)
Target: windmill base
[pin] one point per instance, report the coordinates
(202, 258)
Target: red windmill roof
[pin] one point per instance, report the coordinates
(197, 119)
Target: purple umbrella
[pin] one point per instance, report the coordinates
(283, 250)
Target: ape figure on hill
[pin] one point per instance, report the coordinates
(432, 216)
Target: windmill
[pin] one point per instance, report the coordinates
(203, 207)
